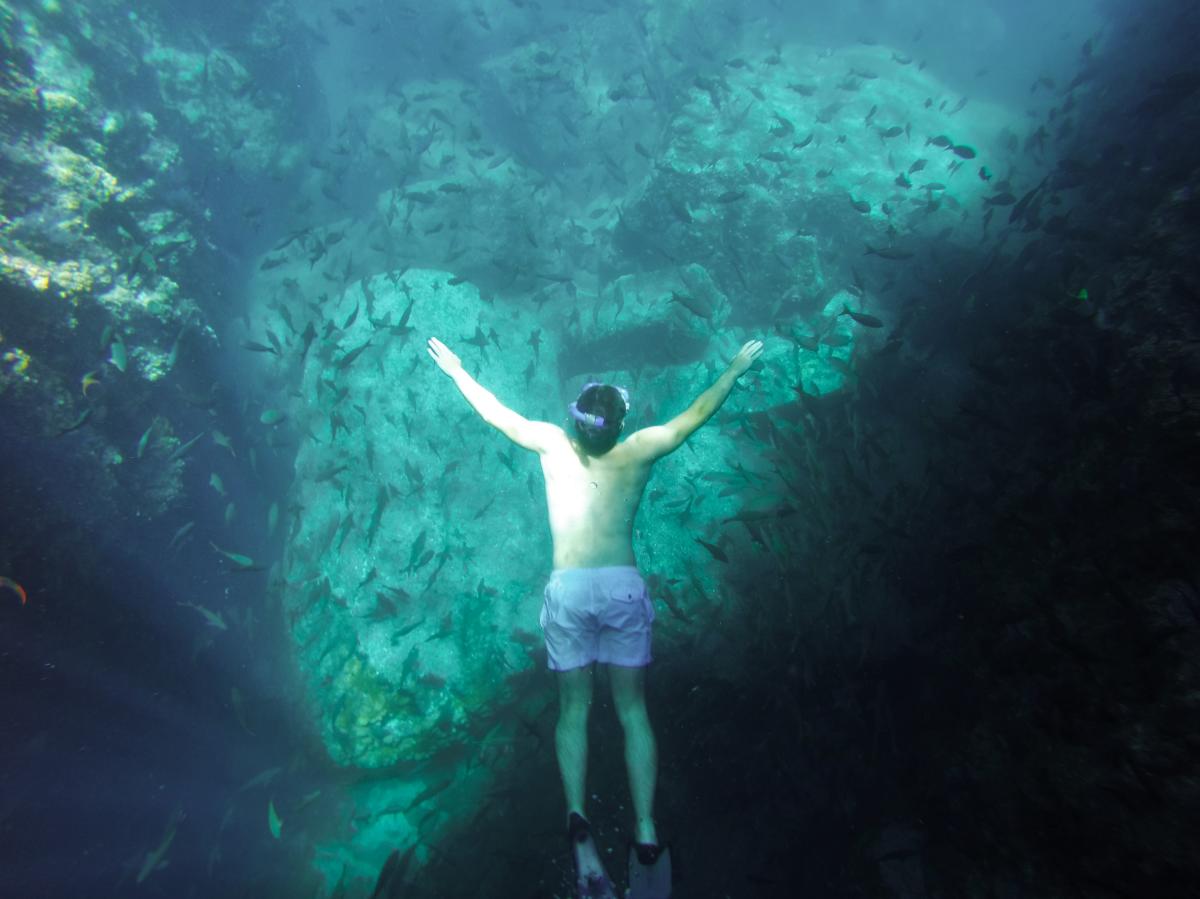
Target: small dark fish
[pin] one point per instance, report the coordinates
(887, 252)
(860, 205)
(916, 166)
(478, 339)
(309, 335)
(351, 319)
(894, 131)
(268, 264)
(1003, 199)
(418, 547)
(450, 187)
(257, 347)
(345, 361)
(800, 145)
(862, 318)
(964, 151)
(941, 141)
(78, 423)
(731, 196)
(455, 281)
(180, 451)
(716, 551)
(902, 181)
(698, 308)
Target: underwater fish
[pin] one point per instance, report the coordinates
(89, 379)
(273, 820)
(255, 347)
(173, 352)
(963, 151)
(887, 252)
(429, 792)
(860, 205)
(699, 308)
(180, 534)
(9, 583)
(417, 548)
(144, 440)
(244, 563)
(862, 318)
(157, 858)
(223, 441)
(239, 712)
(213, 619)
(714, 550)
(306, 339)
(353, 354)
(78, 423)
(117, 354)
(180, 451)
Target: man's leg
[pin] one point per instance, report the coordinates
(641, 751)
(570, 736)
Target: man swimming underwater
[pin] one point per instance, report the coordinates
(596, 606)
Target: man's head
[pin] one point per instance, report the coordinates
(599, 415)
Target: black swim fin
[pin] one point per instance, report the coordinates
(591, 880)
(649, 871)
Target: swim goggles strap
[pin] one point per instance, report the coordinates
(590, 418)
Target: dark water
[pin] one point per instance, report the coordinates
(970, 665)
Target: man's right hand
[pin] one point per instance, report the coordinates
(443, 356)
(750, 351)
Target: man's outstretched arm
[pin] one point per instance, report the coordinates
(659, 440)
(532, 435)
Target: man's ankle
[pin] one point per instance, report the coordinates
(645, 832)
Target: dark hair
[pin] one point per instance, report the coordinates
(605, 403)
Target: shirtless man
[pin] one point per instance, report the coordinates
(596, 607)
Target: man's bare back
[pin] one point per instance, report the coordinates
(593, 502)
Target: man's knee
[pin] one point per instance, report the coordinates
(629, 698)
(575, 695)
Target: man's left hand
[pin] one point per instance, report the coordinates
(443, 356)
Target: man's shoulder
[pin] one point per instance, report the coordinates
(553, 438)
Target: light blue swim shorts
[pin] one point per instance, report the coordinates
(597, 615)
